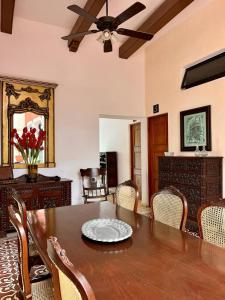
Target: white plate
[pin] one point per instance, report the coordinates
(106, 230)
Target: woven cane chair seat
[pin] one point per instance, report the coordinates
(127, 195)
(42, 290)
(70, 283)
(212, 225)
(169, 206)
(68, 288)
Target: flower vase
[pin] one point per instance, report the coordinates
(32, 173)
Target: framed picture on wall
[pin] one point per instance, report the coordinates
(195, 128)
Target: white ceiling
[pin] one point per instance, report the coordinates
(55, 12)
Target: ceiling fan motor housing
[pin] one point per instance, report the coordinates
(106, 23)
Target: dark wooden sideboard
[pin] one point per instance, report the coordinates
(46, 192)
(108, 160)
(198, 178)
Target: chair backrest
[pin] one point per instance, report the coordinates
(6, 172)
(93, 182)
(211, 223)
(24, 278)
(73, 285)
(21, 207)
(127, 195)
(169, 206)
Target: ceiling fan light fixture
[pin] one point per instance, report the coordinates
(106, 35)
(114, 38)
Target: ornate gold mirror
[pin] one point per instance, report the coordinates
(27, 104)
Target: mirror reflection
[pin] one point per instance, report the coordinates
(28, 119)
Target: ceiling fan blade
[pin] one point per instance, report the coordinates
(135, 34)
(78, 34)
(81, 12)
(107, 46)
(129, 13)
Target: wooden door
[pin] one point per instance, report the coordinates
(157, 145)
(135, 148)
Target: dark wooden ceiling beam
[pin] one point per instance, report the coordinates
(7, 13)
(93, 7)
(166, 12)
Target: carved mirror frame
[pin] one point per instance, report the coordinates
(19, 96)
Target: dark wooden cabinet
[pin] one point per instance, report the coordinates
(44, 193)
(108, 160)
(198, 178)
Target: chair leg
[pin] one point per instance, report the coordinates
(113, 196)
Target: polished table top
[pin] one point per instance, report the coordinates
(158, 262)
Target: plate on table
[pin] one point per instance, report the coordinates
(106, 230)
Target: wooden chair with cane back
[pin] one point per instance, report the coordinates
(69, 283)
(169, 206)
(211, 222)
(33, 255)
(127, 195)
(94, 184)
(29, 290)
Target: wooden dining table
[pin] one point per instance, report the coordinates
(158, 262)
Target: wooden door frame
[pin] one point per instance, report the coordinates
(149, 165)
(131, 152)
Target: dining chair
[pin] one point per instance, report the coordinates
(69, 283)
(211, 223)
(33, 255)
(127, 195)
(94, 184)
(169, 206)
(29, 290)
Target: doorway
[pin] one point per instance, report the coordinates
(135, 155)
(157, 145)
(114, 135)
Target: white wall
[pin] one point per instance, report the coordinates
(199, 35)
(91, 83)
(114, 135)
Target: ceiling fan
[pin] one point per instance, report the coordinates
(107, 25)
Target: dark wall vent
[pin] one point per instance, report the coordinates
(208, 70)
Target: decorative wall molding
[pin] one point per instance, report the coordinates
(12, 91)
(20, 96)
(28, 82)
(28, 105)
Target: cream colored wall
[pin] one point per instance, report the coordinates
(115, 136)
(90, 83)
(200, 35)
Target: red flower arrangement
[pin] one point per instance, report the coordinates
(28, 144)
